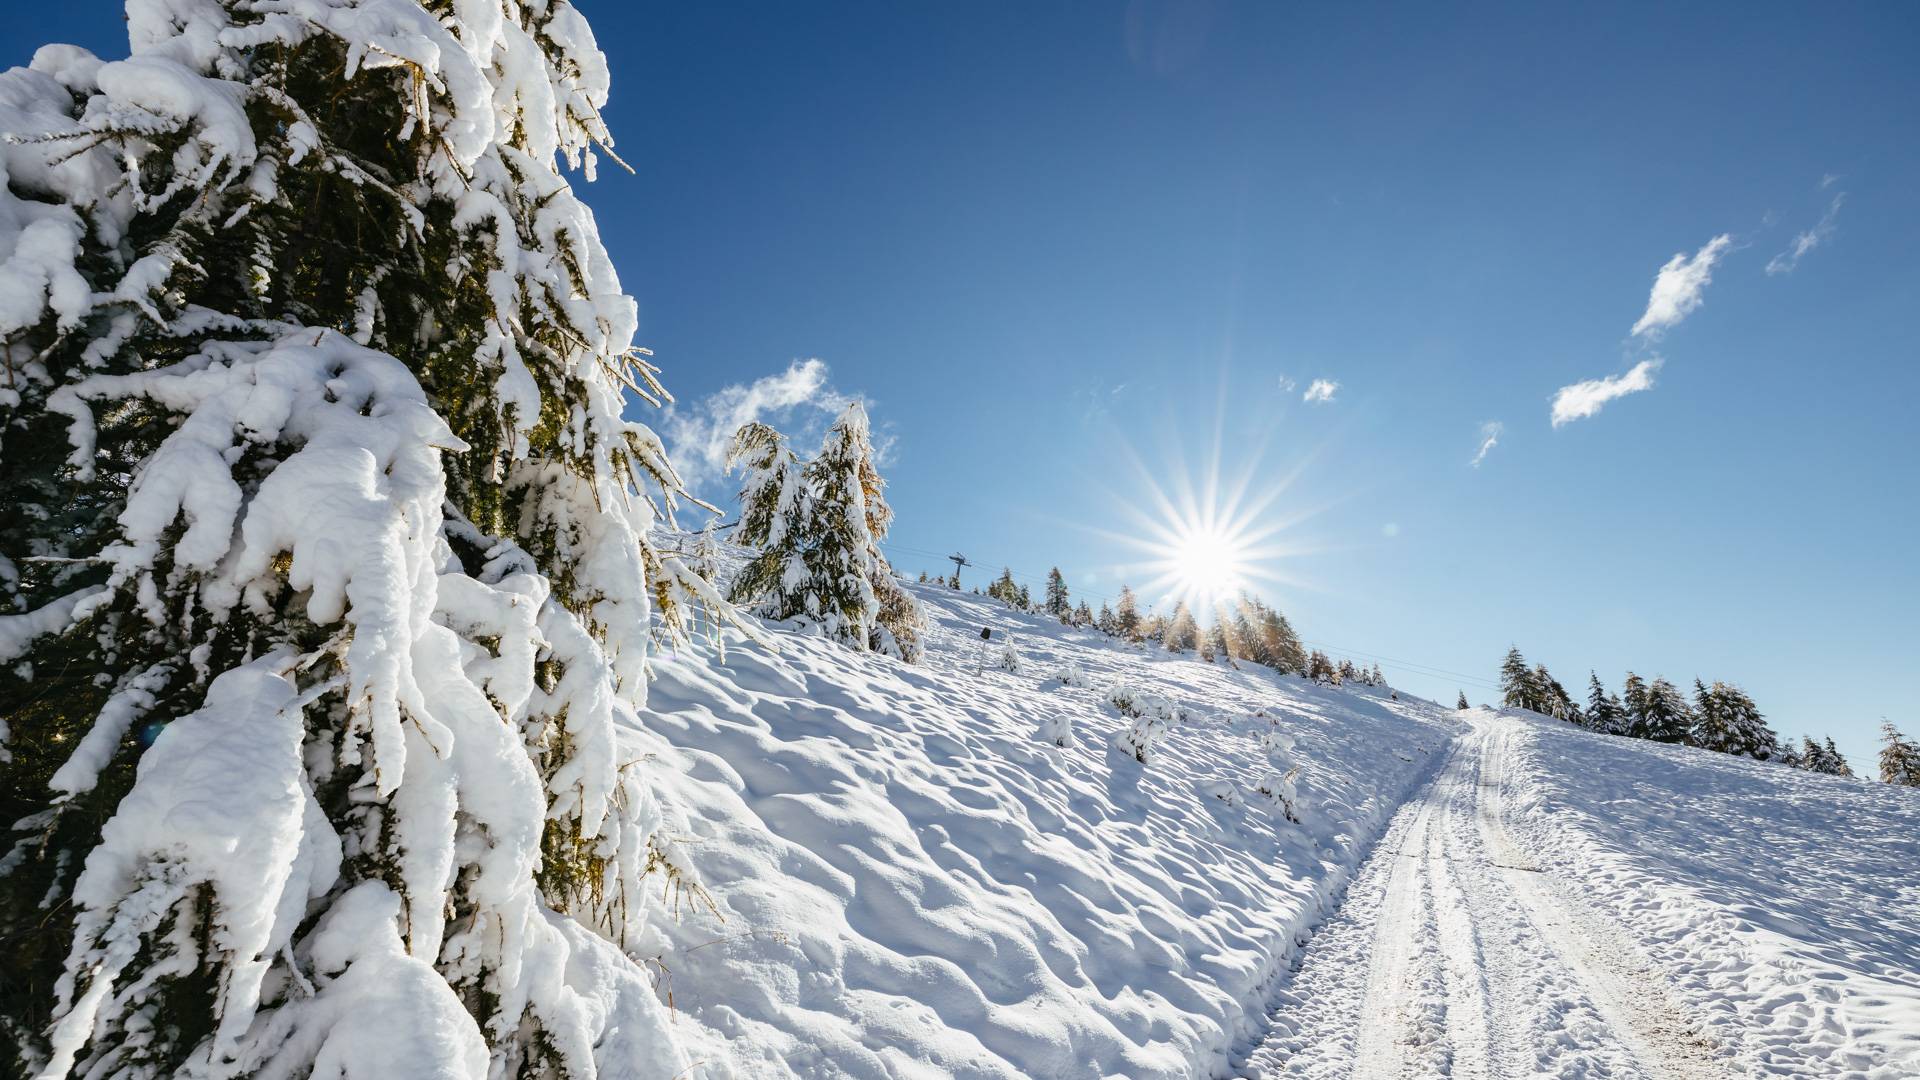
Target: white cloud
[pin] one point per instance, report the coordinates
(699, 433)
(1677, 288)
(1320, 391)
(1583, 399)
(1821, 232)
(1287, 384)
(1489, 438)
(1829, 180)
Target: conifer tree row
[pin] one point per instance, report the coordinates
(1721, 716)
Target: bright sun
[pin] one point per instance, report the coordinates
(1207, 539)
(1208, 565)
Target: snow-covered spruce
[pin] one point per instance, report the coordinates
(326, 567)
(818, 527)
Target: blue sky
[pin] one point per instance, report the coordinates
(1045, 241)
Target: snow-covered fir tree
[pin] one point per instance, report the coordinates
(1725, 719)
(1105, 622)
(1899, 757)
(1462, 703)
(1634, 701)
(1056, 602)
(1666, 718)
(1082, 615)
(326, 563)
(1516, 681)
(819, 525)
(1604, 713)
(1823, 758)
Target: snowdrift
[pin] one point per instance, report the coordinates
(1784, 904)
(909, 875)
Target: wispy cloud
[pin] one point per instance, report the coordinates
(1583, 399)
(1287, 384)
(1821, 232)
(1677, 288)
(1320, 391)
(1829, 180)
(1489, 438)
(698, 434)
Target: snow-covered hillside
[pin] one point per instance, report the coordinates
(1784, 904)
(915, 882)
(908, 877)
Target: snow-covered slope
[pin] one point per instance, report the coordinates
(1784, 905)
(909, 880)
(908, 877)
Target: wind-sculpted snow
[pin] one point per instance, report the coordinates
(1786, 904)
(914, 878)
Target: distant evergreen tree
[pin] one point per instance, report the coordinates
(1635, 703)
(1603, 711)
(1218, 643)
(1107, 623)
(1182, 633)
(1057, 604)
(1267, 638)
(1082, 615)
(1552, 698)
(1321, 670)
(1899, 758)
(1725, 719)
(1823, 758)
(1463, 701)
(1516, 681)
(1667, 719)
(1126, 616)
(1833, 762)
(1025, 600)
(1349, 673)
(1796, 756)
(1004, 589)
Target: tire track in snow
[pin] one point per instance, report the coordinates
(1452, 956)
(1619, 980)
(1313, 1031)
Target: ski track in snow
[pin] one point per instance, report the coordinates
(1454, 956)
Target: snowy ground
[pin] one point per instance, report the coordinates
(1561, 904)
(1784, 906)
(911, 880)
(913, 883)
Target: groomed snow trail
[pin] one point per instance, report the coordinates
(1454, 955)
